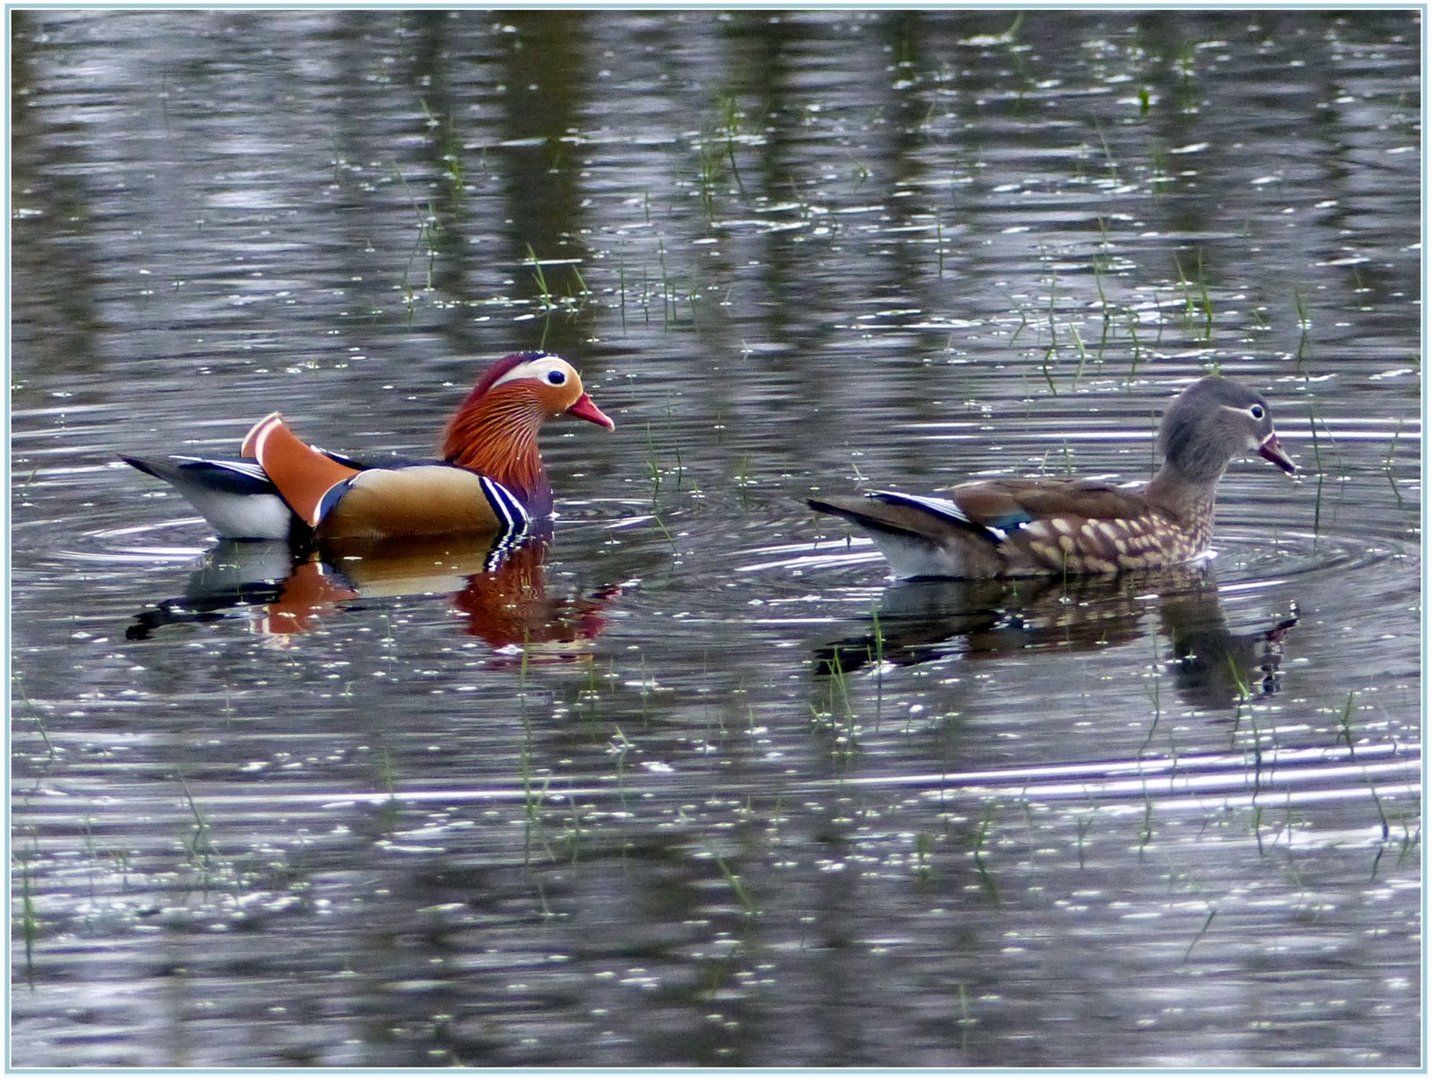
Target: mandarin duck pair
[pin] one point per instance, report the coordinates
(490, 481)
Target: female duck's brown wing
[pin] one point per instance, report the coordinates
(1008, 504)
(1078, 526)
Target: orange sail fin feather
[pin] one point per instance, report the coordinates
(490, 479)
(307, 478)
(1030, 527)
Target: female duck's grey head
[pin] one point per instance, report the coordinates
(1214, 421)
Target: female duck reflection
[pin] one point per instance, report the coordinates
(1213, 666)
(498, 588)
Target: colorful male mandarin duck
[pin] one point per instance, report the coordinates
(489, 480)
(1029, 527)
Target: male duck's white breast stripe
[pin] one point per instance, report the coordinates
(505, 505)
(330, 499)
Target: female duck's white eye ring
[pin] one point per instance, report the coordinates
(1257, 412)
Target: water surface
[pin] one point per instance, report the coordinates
(690, 782)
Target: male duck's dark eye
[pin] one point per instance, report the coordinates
(557, 378)
(1257, 412)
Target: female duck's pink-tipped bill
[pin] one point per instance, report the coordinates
(584, 408)
(1270, 450)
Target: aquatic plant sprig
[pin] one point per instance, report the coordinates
(980, 845)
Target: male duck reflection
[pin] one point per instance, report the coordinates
(499, 592)
(489, 480)
(1029, 527)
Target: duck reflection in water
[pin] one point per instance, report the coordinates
(498, 588)
(1213, 667)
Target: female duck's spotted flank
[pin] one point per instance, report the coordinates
(1028, 527)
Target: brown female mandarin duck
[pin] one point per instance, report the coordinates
(489, 480)
(1029, 527)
